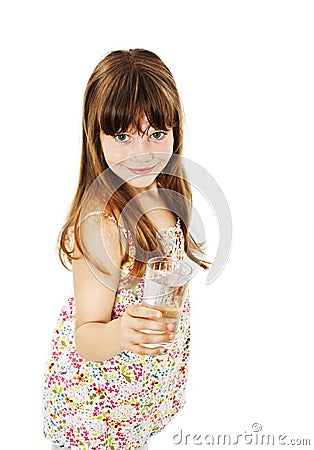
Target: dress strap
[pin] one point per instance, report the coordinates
(102, 213)
(108, 216)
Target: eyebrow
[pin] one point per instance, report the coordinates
(146, 131)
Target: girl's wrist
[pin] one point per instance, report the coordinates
(119, 339)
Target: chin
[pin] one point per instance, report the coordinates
(142, 182)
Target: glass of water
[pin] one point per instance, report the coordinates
(165, 286)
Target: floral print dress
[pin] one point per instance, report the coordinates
(117, 404)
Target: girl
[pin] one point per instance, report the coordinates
(106, 386)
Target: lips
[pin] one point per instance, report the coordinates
(142, 171)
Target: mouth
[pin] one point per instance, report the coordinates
(143, 171)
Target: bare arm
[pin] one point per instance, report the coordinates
(97, 337)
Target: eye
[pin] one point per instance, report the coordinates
(122, 137)
(158, 135)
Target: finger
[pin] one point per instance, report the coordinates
(143, 311)
(140, 337)
(150, 338)
(141, 350)
(154, 325)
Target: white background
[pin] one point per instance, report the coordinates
(245, 73)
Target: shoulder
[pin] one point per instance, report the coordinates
(110, 234)
(99, 237)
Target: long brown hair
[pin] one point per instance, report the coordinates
(124, 87)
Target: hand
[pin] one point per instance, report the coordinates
(137, 318)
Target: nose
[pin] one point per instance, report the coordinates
(140, 152)
(142, 158)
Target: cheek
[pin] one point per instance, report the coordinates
(113, 154)
(167, 146)
(113, 157)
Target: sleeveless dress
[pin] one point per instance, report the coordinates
(119, 403)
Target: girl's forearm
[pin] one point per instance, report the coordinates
(96, 341)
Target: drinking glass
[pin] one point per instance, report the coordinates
(165, 286)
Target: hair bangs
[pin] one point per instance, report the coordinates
(135, 98)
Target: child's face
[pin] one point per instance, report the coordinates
(138, 158)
